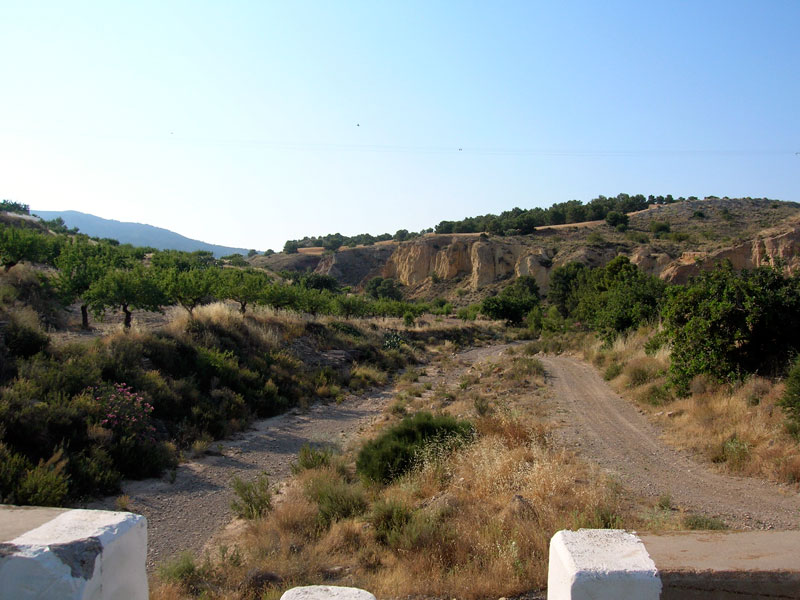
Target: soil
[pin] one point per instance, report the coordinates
(185, 510)
(610, 431)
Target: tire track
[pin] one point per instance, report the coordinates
(611, 432)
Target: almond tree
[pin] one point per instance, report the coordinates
(79, 264)
(126, 290)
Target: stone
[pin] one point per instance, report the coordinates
(326, 592)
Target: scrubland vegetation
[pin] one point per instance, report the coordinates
(77, 417)
(458, 489)
(458, 502)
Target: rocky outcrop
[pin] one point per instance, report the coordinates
(355, 266)
(783, 246)
(480, 261)
(475, 261)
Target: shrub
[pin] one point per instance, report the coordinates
(639, 373)
(388, 518)
(23, 336)
(311, 458)
(482, 406)
(659, 227)
(616, 218)
(727, 323)
(408, 319)
(612, 371)
(735, 451)
(657, 395)
(694, 521)
(638, 236)
(393, 453)
(468, 313)
(336, 499)
(184, 571)
(393, 341)
(46, 484)
(595, 239)
(253, 498)
(791, 395)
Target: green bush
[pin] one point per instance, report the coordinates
(735, 452)
(311, 458)
(728, 323)
(468, 313)
(659, 227)
(24, 341)
(335, 498)
(702, 522)
(388, 518)
(515, 301)
(393, 453)
(253, 498)
(791, 395)
(612, 371)
(46, 484)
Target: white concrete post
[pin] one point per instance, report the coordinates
(600, 564)
(78, 555)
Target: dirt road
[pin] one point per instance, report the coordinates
(185, 513)
(608, 430)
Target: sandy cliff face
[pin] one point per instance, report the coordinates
(782, 245)
(479, 261)
(474, 262)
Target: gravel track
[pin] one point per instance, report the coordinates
(610, 431)
(184, 514)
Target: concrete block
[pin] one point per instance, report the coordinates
(326, 592)
(72, 554)
(600, 564)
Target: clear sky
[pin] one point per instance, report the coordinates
(249, 123)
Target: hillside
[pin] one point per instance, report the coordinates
(670, 241)
(137, 234)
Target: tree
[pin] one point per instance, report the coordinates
(318, 281)
(242, 286)
(726, 323)
(184, 261)
(618, 297)
(190, 288)
(14, 207)
(617, 219)
(564, 283)
(20, 243)
(515, 301)
(79, 264)
(126, 290)
(291, 247)
(387, 288)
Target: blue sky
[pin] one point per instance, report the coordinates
(249, 123)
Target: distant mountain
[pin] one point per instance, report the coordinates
(137, 234)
